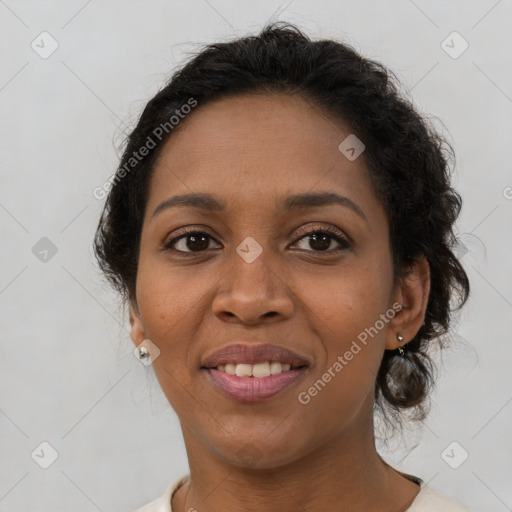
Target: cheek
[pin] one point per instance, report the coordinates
(170, 303)
(167, 311)
(344, 311)
(348, 300)
(167, 295)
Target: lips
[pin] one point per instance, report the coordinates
(251, 354)
(254, 389)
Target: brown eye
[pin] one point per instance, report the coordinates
(321, 239)
(190, 241)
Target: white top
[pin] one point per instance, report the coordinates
(427, 500)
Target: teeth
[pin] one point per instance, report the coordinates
(243, 370)
(263, 369)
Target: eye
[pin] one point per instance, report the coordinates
(196, 241)
(193, 239)
(320, 239)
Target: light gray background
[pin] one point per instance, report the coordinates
(68, 375)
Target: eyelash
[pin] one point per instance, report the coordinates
(331, 232)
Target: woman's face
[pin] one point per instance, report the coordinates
(312, 296)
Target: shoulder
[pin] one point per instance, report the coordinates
(163, 502)
(429, 500)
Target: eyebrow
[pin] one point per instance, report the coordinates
(291, 203)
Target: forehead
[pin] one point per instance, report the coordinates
(255, 148)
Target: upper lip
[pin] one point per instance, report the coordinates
(251, 354)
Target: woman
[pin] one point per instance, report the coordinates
(280, 226)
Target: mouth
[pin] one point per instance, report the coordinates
(252, 373)
(258, 370)
(241, 354)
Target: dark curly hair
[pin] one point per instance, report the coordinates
(407, 159)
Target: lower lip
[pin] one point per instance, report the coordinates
(253, 389)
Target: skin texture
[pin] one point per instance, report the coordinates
(252, 151)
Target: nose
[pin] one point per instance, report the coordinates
(251, 293)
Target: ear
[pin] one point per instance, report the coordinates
(412, 293)
(137, 333)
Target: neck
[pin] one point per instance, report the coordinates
(345, 470)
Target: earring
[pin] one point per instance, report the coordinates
(400, 349)
(143, 352)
